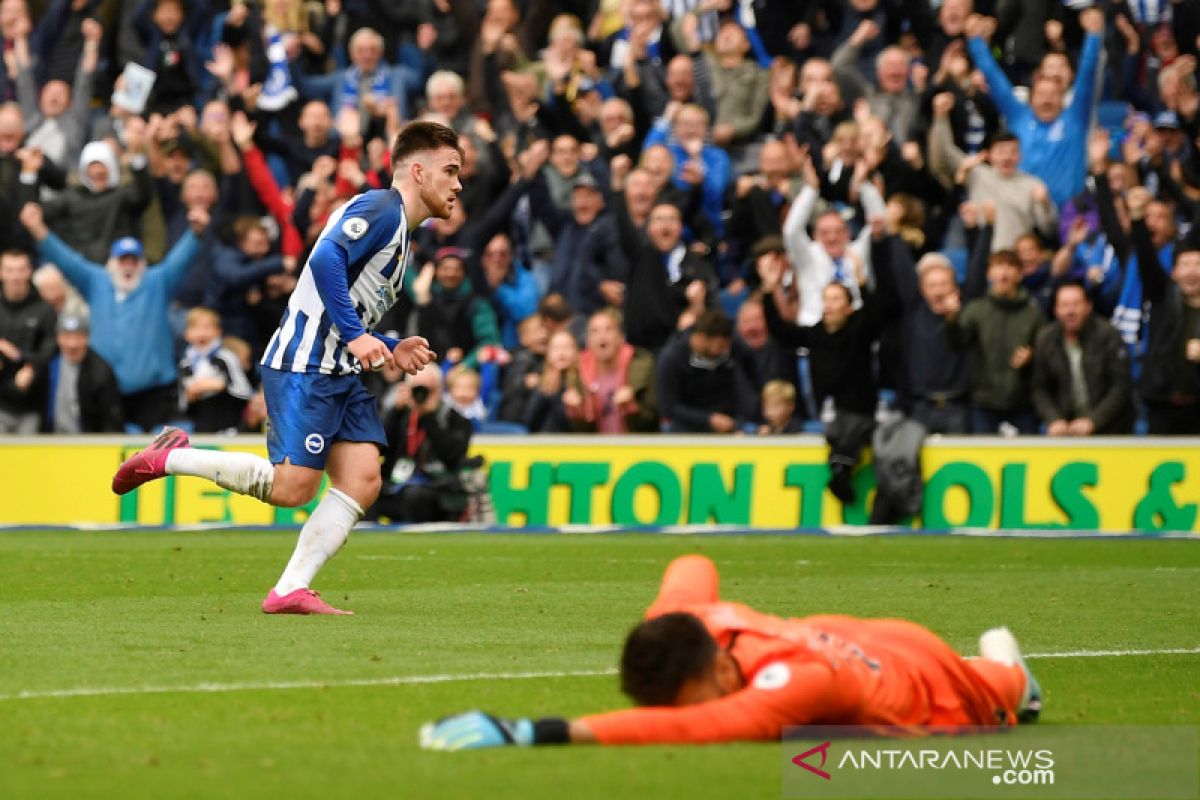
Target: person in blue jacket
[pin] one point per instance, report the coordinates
(129, 305)
(1053, 136)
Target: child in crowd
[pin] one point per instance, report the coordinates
(779, 408)
(214, 384)
(463, 384)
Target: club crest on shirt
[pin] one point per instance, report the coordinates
(773, 676)
(386, 298)
(354, 228)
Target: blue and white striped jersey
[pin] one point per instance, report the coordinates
(351, 279)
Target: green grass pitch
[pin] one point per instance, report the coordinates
(131, 610)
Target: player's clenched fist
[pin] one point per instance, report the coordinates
(412, 354)
(370, 352)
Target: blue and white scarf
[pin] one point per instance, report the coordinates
(1131, 312)
(381, 85)
(277, 89)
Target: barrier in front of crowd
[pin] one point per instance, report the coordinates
(1116, 485)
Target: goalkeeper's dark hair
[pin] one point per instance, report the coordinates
(423, 135)
(662, 654)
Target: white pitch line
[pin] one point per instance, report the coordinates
(395, 680)
(1173, 651)
(413, 680)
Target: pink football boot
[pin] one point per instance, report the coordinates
(301, 601)
(149, 464)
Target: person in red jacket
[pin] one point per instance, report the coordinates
(704, 670)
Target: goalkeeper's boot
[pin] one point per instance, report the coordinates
(999, 645)
(301, 601)
(149, 464)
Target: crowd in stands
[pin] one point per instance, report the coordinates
(718, 216)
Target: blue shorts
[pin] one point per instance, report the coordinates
(309, 412)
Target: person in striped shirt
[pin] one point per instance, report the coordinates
(322, 419)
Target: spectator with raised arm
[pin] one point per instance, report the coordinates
(1023, 202)
(926, 296)
(840, 349)
(58, 114)
(129, 305)
(1169, 383)
(830, 255)
(1050, 134)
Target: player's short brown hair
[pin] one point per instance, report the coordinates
(662, 654)
(423, 135)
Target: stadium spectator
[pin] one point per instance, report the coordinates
(427, 446)
(557, 315)
(1049, 130)
(511, 288)
(840, 357)
(779, 409)
(129, 305)
(997, 332)
(685, 130)
(314, 136)
(368, 87)
(90, 217)
(214, 383)
(21, 169)
(661, 97)
(235, 274)
(740, 86)
(892, 98)
(559, 392)
(924, 297)
(463, 385)
(760, 198)
(616, 379)
(456, 321)
(701, 389)
(974, 118)
(1081, 380)
(1169, 383)
(169, 52)
(57, 293)
(831, 255)
(80, 393)
(26, 344)
(1022, 201)
(57, 114)
(524, 372)
(666, 279)
(763, 358)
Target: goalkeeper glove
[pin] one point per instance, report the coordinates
(474, 729)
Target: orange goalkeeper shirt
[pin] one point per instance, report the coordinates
(827, 669)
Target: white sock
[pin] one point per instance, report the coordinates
(244, 473)
(321, 537)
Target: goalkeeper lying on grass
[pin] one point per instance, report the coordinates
(704, 670)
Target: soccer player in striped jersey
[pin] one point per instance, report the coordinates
(322, 420)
